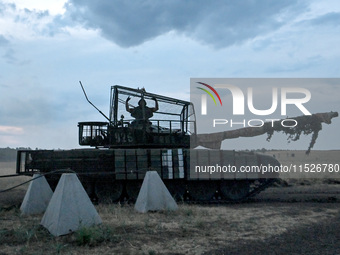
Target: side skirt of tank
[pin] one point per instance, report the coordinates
(117, 175)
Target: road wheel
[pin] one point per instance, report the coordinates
(234, 190)
(176, 189)
(202, 190)
(108, 192)
(132, 189)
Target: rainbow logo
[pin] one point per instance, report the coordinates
(209, 93)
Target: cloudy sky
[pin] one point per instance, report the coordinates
(47, 46)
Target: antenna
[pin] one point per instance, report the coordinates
(93, 104)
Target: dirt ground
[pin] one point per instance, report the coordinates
(302, 218)
(259, 226)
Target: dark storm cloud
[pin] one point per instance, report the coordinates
(218, 23)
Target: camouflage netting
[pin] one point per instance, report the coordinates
(311, 124)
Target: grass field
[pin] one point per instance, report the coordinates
(8, 168)
(192, 229)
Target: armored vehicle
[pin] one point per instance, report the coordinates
(143, 132)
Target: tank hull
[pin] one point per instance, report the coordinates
(117, 174)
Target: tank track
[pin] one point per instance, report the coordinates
(264, 184)
(255, 188)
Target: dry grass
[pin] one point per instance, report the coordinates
(193, 229)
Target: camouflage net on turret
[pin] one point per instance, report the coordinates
(308, 124)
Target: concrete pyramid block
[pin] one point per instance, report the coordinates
(70, 208)
(153, 195)
(37, 197)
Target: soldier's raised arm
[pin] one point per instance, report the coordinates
(127, 107)
(156, 105)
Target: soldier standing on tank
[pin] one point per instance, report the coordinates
(141, 113)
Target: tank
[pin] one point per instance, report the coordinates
(149, 132)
